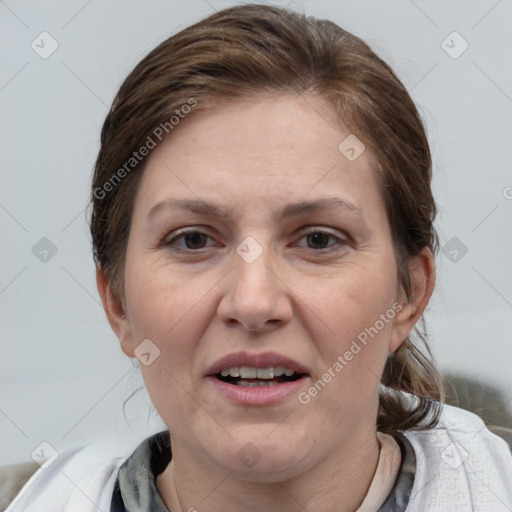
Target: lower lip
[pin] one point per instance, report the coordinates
(258, 395)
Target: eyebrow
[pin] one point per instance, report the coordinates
(290, 210)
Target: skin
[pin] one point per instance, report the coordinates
(297, 298)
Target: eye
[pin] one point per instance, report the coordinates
(317, 237)
(192, 239)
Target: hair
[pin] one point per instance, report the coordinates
(250, 49)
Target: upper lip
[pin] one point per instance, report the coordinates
(262, 360)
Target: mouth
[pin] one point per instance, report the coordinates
(246, 378)
(249, 377)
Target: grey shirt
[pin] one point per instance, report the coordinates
(135, 488)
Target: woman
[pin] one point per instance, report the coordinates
(263, 231)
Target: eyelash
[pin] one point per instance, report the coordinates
(180, 234)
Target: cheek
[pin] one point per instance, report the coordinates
(160, 298)
(171, 318)
(172, 311)
(355, 318)
(351, 300)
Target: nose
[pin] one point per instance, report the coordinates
(255, 297)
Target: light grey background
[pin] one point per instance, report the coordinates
(63, 377)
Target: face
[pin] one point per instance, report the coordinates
(254, 280)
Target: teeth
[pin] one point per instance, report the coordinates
(278, 371)
(249, 372)
(265, 373)
(246, 384)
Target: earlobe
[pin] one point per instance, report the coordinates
(422, 278)
(116, 315)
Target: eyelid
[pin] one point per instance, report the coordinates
(321, 229)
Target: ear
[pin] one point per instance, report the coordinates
(422, 273)
(114, 310)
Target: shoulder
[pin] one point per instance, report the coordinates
(12, 479)
(79, 479)
(460, 464)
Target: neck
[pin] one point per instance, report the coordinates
(338, 484)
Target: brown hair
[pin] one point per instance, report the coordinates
(249, 49)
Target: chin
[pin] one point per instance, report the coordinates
(255, 454)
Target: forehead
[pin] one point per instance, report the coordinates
(274, 124)
(262, 149)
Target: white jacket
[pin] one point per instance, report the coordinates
(460, 466)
